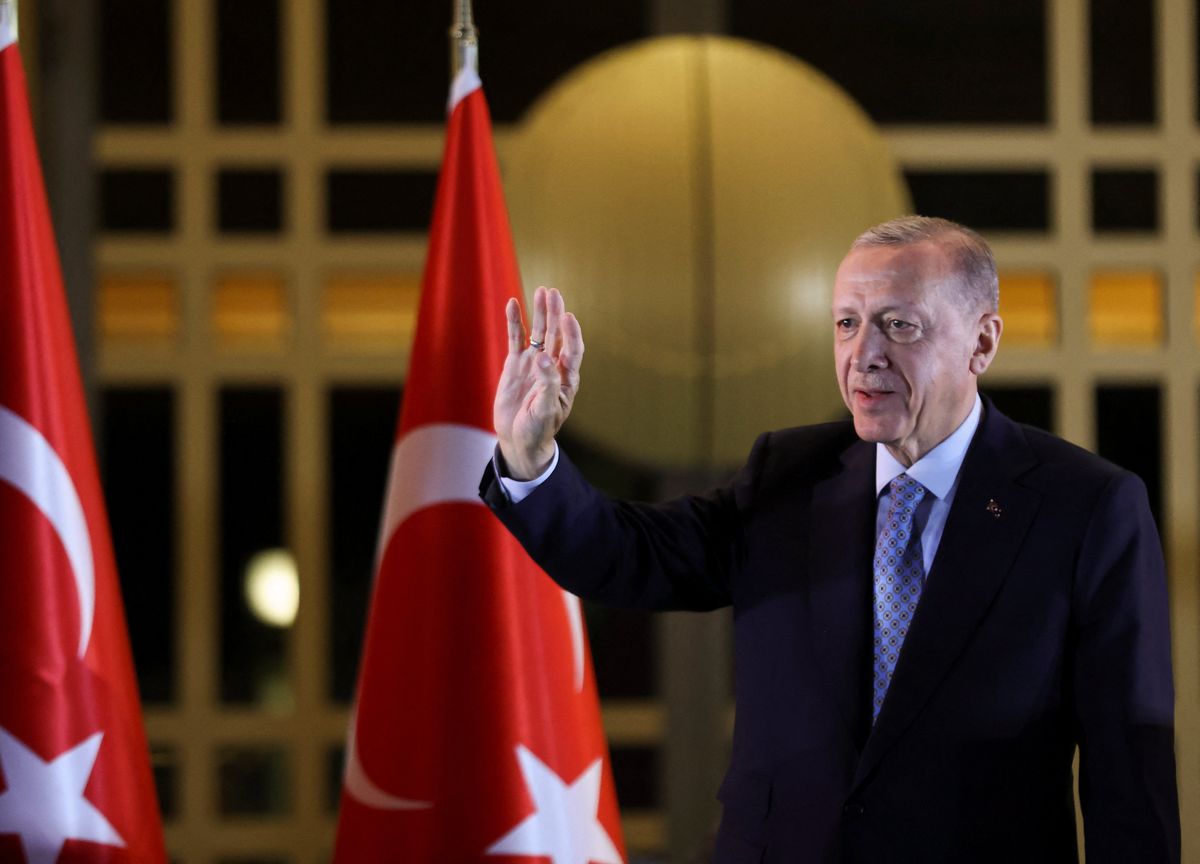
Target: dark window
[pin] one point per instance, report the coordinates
(1124, 200)
(635, 774)
(135, 61)
(249, 200)
(1122, 60)
(335, 763)
(164, 762)
(985, 200)
(248, 61)
(1029, 404)
(138, 464)
(527, 47)
(252, 781)
(362, 429)
(922, 61)
(1129, 433)
(253, 652)
(137, 200)
(368, 201)
(389, 62)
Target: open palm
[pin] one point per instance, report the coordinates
(538, 384)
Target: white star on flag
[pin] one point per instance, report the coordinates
(44, 801)
(564, 826)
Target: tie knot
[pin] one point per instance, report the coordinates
(906, 492)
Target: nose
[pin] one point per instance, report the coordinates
(869, 350)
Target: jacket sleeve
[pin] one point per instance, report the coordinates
(1124, 696)
(677, 555)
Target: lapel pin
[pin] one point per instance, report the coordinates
(993, 508)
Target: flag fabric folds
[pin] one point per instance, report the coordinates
(476, 733)
(73, 756)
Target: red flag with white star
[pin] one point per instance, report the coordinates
(74, 767)
(476, 734)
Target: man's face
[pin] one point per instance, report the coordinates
(908, 346)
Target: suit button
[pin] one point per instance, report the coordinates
(854, 808)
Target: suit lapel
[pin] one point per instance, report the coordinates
(987, 523)
(842, 526)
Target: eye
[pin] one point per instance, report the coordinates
(844, 324)
(900, 330)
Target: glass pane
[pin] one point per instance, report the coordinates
(636, 772)
(249, 200)
(1129, 432)
(1029, 307)
(958, 62)
(253, 781)
(138, 307)
(164, 762)
(1124, 200)
(363, 200)
(565, 35)
(1125, 309)
(1196, 306)
(136, 63)
(251, 310)
(254, 633)
(362, 425)
(375, 53)
(248, 61)
(137, 458)
(370, 311)
(1123, 61)
(1030, 404)
(136, 199)
(334, 765)
(984, 200)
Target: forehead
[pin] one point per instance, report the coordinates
(912, 274)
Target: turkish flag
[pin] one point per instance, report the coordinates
(75, 770)
(476, 734)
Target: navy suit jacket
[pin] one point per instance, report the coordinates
(1043, 625)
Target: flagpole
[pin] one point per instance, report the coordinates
(464, 39)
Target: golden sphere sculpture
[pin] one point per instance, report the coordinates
(692, 198)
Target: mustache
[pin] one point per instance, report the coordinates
(872, 382)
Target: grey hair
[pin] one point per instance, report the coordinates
(969, 253)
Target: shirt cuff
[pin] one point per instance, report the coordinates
(518, 490)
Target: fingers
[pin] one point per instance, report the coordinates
(554, 313)
(537, 332)
(570, 354)
(516, 331)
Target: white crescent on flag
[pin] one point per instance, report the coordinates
(435, 464)
(29, 463)
(8, 24)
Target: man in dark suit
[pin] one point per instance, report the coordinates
(933, 605)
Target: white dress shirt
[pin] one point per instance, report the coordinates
(937, 471)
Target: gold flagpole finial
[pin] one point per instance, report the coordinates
(464, 39)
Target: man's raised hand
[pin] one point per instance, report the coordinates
(538, 384)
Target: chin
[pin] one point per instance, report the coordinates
(875, 430)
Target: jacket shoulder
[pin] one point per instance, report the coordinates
(802, 453)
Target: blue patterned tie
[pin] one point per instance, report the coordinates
(899, 575)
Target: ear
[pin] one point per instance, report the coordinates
(987, 341)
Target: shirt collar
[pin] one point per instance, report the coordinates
(936, 470)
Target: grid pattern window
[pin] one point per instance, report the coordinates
(265, 172)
